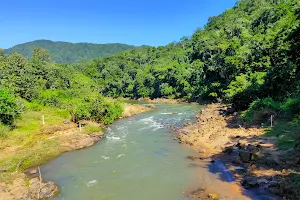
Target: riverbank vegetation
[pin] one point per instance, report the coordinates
(246, 54)
(36, 83)
(247, 57)
(39, 100)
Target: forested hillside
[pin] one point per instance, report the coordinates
(66, 52)
(247, 53)
(248, 57)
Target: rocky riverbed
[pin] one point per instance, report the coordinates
(256, 165)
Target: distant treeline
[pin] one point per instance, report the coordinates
(248, 53)
(66, 52)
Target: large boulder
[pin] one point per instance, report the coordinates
(213, 196)
(245, 156)
(250, 182)
(228, 150)
(42, 190)
(262, 181)
(48, 190)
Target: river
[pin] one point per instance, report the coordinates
(138, 159)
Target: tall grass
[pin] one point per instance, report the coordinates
(4, 131)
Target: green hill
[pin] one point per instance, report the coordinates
(66, 52)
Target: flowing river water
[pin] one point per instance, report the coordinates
(138, 159)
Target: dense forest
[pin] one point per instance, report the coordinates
(66, 52)
(34, 83)
(248, 56)
(248, 53)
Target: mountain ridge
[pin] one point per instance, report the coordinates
(68, 52)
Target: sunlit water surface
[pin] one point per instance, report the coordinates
(137, 160)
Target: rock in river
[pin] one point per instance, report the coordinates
(250, 182)
(42, 190)
(245, 156)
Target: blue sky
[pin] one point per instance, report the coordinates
(149, 22)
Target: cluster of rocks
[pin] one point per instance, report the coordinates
(248, 155)
(217, 131)
(263, 182)
(38, 188)
(33, 189)
(246, 152)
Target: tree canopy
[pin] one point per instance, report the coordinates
(249, 52)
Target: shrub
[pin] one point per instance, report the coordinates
(81, 111)
(34, 106)
(55, 98)
(112, 110)
(3, 131)
(291, 107)
(296, 120)
(261, 110)
(244, 89)
(95, 108)
(9, 108)
(49, 98)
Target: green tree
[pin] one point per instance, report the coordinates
(1, 52)
(41, 54)
(9, 109)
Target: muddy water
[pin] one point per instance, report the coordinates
(138, 159)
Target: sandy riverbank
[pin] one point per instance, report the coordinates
(246, 154)
(27, 185)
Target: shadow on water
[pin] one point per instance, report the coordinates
(221, 169)
(218, 167)
(225, 182)
(274, 171)
(260, 178)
